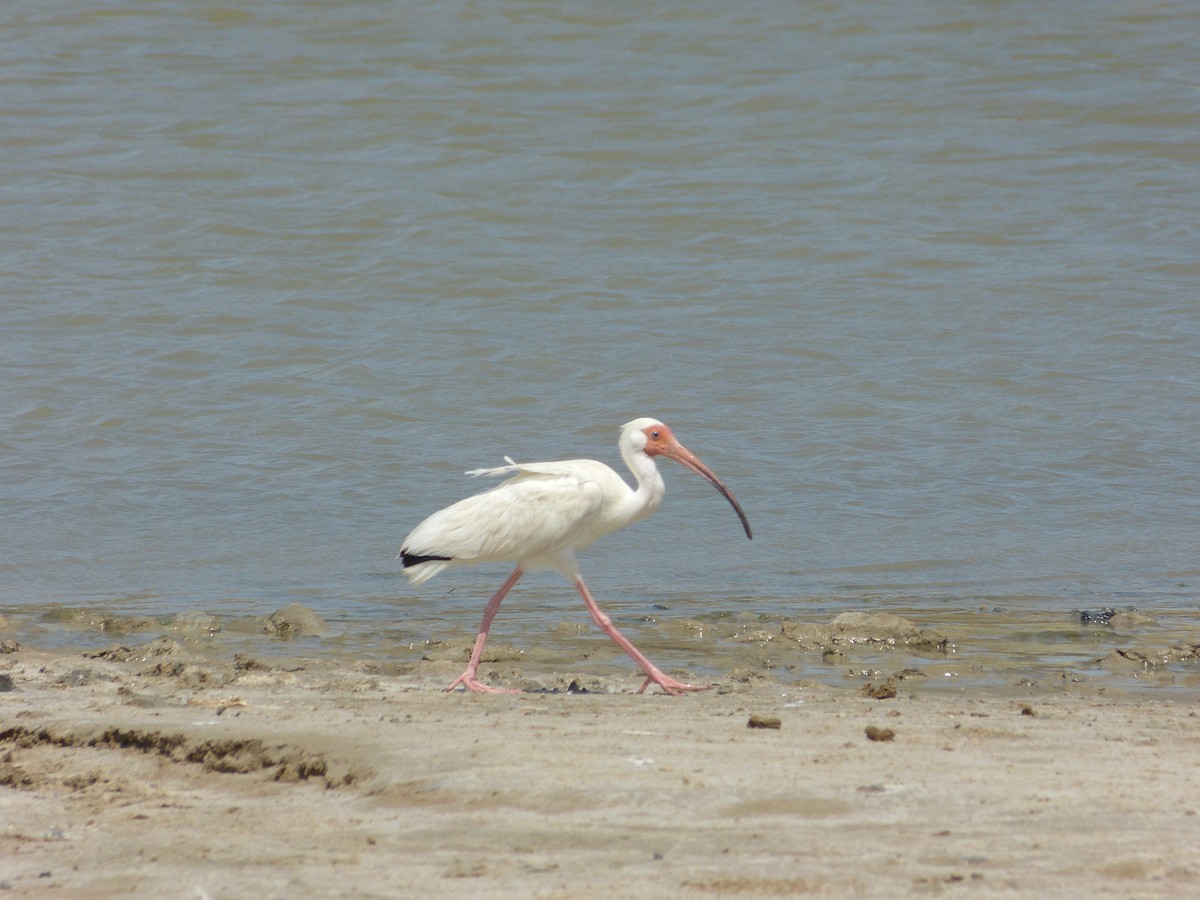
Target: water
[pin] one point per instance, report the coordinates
(917, 281)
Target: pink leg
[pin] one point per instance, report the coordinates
(654, 674)
(467, 679)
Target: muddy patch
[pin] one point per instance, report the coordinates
(293, 621)
(192, 664)
(856, 629)
(279, 762)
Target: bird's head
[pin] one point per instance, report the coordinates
(653, 438)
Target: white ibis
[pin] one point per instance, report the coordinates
(541, 516)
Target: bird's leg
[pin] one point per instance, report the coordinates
(653, 673)
(467, 679)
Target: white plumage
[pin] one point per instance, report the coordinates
(542, 515)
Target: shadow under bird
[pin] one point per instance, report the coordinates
(541, 516)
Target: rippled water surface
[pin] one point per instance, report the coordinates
(917, 280)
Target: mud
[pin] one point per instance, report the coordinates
(279, 762)
(294, 621)
(970, 649)
(858, 629)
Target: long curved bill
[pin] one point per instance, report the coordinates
(683, 456)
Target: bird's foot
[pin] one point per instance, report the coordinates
(670, 685)
(475, 686)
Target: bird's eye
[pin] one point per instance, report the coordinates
(655, 435)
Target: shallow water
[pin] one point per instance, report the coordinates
(918, 282)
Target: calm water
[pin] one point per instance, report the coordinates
(917, 280)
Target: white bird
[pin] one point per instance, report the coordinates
(540, 517)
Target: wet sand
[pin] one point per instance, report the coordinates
(166, 770)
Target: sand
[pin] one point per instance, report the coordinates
(155, 771)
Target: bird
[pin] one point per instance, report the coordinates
(541, 516)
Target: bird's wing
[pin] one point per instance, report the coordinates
(534, 513)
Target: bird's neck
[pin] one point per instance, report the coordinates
(650, 488)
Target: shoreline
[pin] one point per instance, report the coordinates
(954, 651)
(167, 772)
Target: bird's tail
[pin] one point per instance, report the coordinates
(421, 568)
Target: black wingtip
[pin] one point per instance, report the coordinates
(408, 560)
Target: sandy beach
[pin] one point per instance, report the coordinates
(158, 771)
